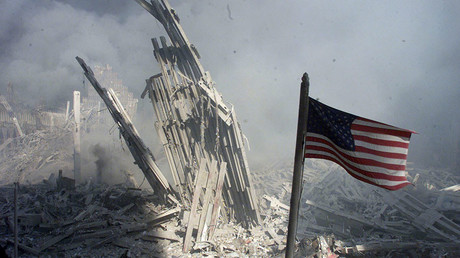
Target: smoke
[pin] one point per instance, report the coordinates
(42, 38)
(395, 62)
(101, 162)
(105, 158)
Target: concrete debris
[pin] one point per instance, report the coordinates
(454, 188)
(22, 159)
(340, 217)
(64, 182)
(275, 203)
(118, 220)
(415, 221)
(59, 222)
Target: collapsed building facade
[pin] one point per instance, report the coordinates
(201, 136)
(193, 122)
(17, 119)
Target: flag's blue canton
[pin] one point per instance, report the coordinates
(332, 123)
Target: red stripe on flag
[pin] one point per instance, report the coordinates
(362, 161)
(376, 122)
(369, 173)
(371, 129)
(390, 155)
(381, 142)
(389, 187)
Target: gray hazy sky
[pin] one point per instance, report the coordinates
(397, 62)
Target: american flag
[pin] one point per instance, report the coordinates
(370, 151)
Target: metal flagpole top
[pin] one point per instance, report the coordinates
(305, 79)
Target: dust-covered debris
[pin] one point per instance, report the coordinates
(366, 220)
(339, 216)
(80, 221)
(101, 220)
(29, 159)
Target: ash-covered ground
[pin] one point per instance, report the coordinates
(119, 217)
(339, 215)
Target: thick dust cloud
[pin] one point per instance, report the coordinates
(396, 62)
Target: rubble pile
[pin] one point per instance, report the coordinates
(99, 220)
(274, 179)
(30, 158)
(339, 216)
(358, 218)
(91, 220)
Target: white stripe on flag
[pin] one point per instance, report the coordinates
(364, 155)
(399, 150)
(359, 121)
(372, 169)
(382, 182)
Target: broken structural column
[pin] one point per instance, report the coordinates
(194, 123)
(142, 155)
(76, 137)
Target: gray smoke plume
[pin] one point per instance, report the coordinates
(395, 61)
(102, 162)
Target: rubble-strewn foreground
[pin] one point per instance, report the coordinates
(339, 216)
(28, 159)
(344, 216)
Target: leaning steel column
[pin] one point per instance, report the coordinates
(299, 159)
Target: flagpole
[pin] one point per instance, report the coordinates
(297, 177)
